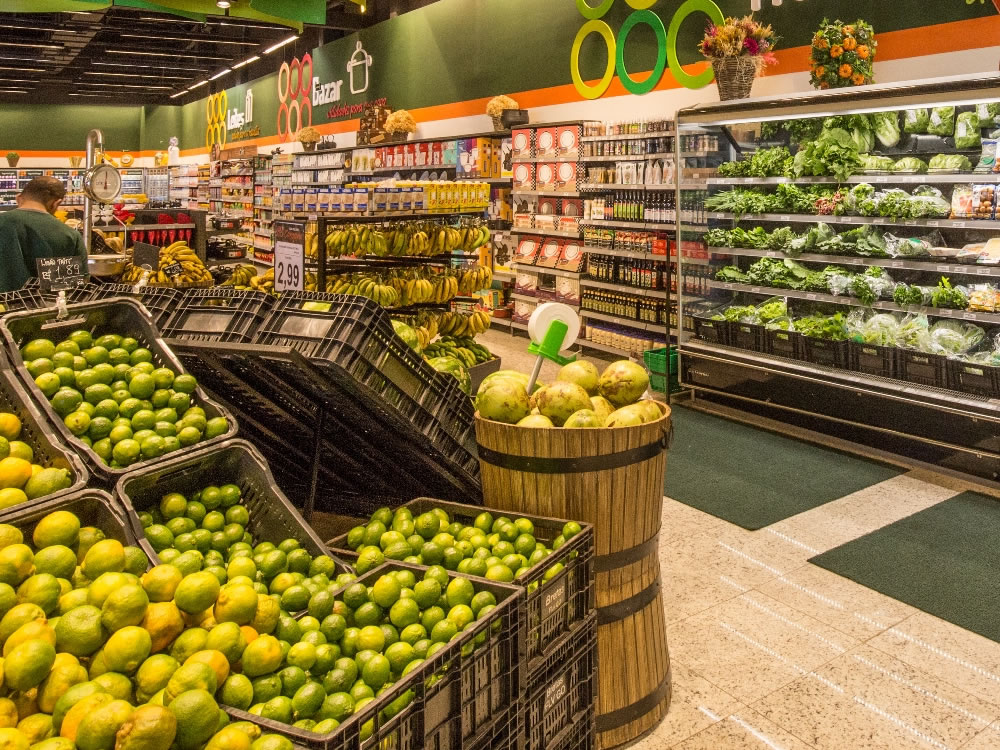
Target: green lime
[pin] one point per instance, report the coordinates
(188, 436)
(126, 452)
(107, 408)
(65, 401)
(141, 386)
(120, 433)
(180, 402)
(40, 367)
(48, 383)
(185, 384)
(78, 422)
(143, 420)
(216, 427)
(160, 399)
(152, 447)
(141, 354)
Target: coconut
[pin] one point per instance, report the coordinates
(560, 400)
(535, 420)
(584, 418)
(504, 401)
(624, 382)
(581, 372)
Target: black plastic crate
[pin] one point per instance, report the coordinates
(160, 302)
(48, 449)
(83, 293)
(873, 359)
(825, 352)
(968, 377)
(747, 336)
(713, 331)
(476, 686)
(272, 517)
(218, 314)
(564, 693)
(923, 369)
(116, 315)
(28, 297)
(783, 343)
(551, 608)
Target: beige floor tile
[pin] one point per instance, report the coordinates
(744, 729)
(752, 645)
(681, 521)
(695, 704)
(948, 652)
(848, 606)
(988, 739)
(865, 698)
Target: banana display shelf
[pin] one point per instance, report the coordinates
(179, 267)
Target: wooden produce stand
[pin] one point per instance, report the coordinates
(611, 478)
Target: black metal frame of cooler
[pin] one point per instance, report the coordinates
(553, 608)
(122, 316)
(329, 439)
(272, 517)
(49, 450)
(218, 314)
(478, 686)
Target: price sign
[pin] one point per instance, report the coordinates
(984, 271)
(59, 274)
(144, 254)
(810, 296)
(897, 264)
(969, 316)
(174, 270)
(289, 255)
(944, 268)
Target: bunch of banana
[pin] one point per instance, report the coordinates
(474, 237)
(350, 240)
(312, 245)
(437, 289)
(457, 324)
(115, 244)
(264, 283)
(364, 286)
(241, 277)
(465, 349)
(475, 278)
(312, 282)
(177, 254)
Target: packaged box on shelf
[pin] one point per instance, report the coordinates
(449, 153)
(501, 204)
(571, 207)
(546, 143)
(570, 224)
(525, 283)
(546, 176)
(298, 199)
(423, 154)
(527, 251)
(524, 177)
(522, 143)
(410, 155)
(548, 255)
(506, 156)
(571, 257)
(523, 310)
(565, 177)
(546, 222)
(689, 249)
(568, 290)
(568, 141)
(549, 206)
(523, 221)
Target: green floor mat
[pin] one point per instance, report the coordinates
(942, 560)
(752, 477)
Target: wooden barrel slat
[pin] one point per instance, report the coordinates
(624, 505)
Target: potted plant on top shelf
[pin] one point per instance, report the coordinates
(12, 158)
(739, 50)
(308, 137)
(842, 54)
(496, 107)
(399, 125)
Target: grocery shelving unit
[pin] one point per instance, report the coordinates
(184, 185)
(232, 194)
(263, 209)
(898, 395)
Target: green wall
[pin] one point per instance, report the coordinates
(64, 127)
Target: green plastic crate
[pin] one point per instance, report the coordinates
(660, 376)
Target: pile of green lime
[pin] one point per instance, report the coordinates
(209, 532)
(100, 653)
(500, 549)
(113, 397)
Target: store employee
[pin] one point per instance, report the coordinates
(31, 231)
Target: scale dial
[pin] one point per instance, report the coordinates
(103, 183)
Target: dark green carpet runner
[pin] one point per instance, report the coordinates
(754, 478)
(943, 560)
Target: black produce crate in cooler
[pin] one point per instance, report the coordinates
(969, 377)
(784, 343)
(873, 359)
(462, 695)
(48, 449)
(218, 314)
(563, 695)
(748, 336)
(713, 331)
(116, 315)
(28, 297)
(272, 517)
(160, 302)
(825, 352)
(923, 368)
(357, 334)
(83, 293)
(551, 608)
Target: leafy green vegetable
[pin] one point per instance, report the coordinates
(916, 120)
(945, 295)
(942, 121)
(958, 162)
(832, 327)
(904, 295)
(873, 163)
(910, 164)
(731, 274)
(833, 152)
(886, 125)
(967, 131)
(765, 162)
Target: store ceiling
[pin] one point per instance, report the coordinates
(129, 56)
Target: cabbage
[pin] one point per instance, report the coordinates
(909, 164)
(886, 128)
(952, 337)
(916, 121)
(987, 113)
(967, 131)
(873, 163)
(956, 162)
(942, 121)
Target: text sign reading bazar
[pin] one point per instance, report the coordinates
(289, 256)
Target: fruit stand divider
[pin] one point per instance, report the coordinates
(36, 432)
(322, 429)
(115, 315)
(159, 301)
(465, 697)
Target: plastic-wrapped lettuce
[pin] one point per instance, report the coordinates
(988, 114)
(954, 337)
(942, 121)
(952, 162)
(773, 309)
(910, 164)
(880, 329)
(886, 126)
(913, 332)
(873, 163)
(916, 120)
(967, 131)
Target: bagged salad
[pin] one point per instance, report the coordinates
(916, 120)
(942, 121)
(879, 329)
(967, 131)
(988, 156)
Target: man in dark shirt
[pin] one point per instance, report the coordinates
(31, 231)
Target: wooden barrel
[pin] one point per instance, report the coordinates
(613, 479)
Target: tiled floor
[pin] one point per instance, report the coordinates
(770, 652)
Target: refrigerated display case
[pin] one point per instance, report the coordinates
(855, 278)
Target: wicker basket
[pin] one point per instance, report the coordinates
(735, 75)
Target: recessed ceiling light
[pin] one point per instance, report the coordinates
(200, 83)
(249, 60)
(136, 75)
(179, 93)
(160, 66)
(188, 39)
(163, 54)
(223, 3)
(30, 44)
(24, 70)
(280, 44)
(220, 74)
(123, 85)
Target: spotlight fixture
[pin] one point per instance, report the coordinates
(223, 3)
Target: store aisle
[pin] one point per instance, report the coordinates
(771, 652)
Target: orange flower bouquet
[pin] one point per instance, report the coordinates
(842, 55)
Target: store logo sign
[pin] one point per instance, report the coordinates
(237, 119)
(666, 45)
(217, 133)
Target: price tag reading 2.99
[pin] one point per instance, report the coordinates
(289, 255)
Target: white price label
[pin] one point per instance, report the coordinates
(811, 296)
(933, 223)
(969, 316)
(960, 224)
(984, 271)
(945, 269)
(771, 254)
(784, 217)
(727, 285)
(897, 264)
(289, 256)
(755, 289)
